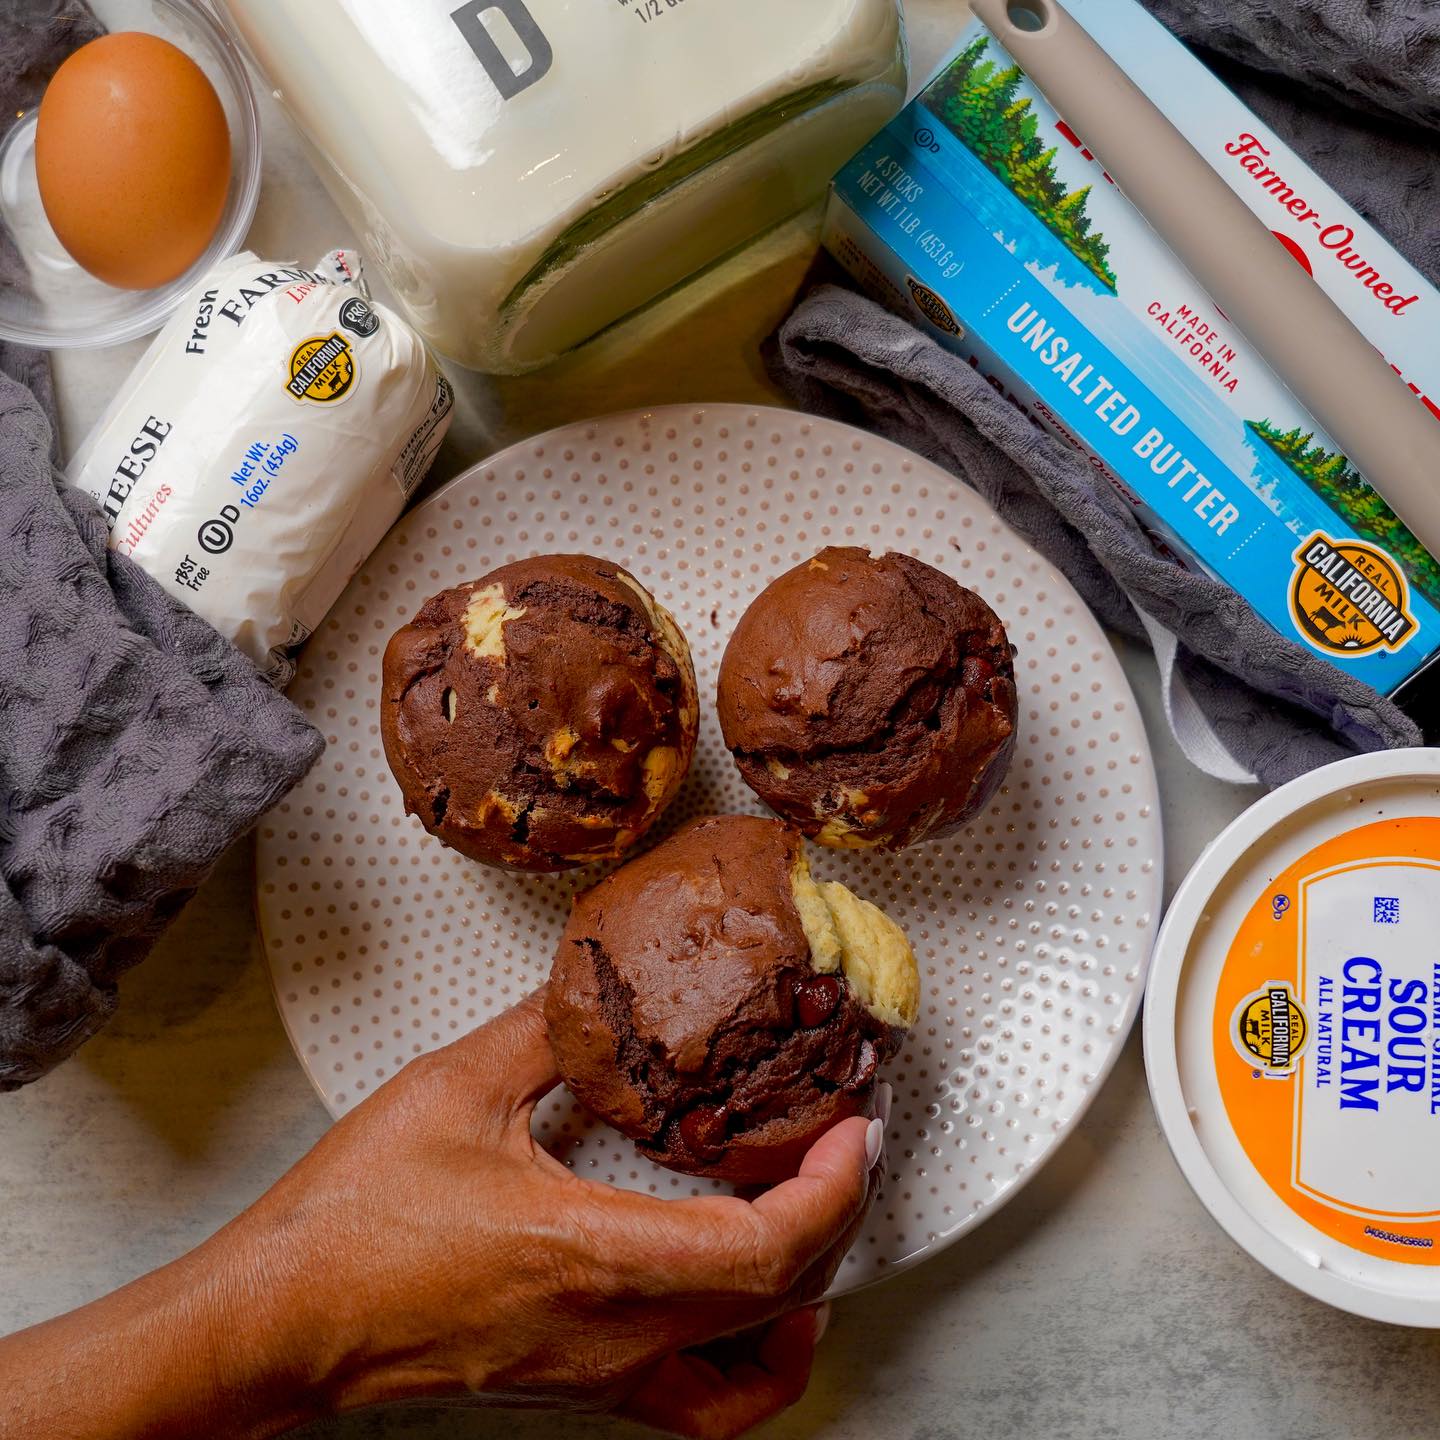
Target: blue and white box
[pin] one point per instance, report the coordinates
(979, 213)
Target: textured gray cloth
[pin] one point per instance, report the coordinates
(136, 743)
(1278, 708)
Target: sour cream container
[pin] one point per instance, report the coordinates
(1292, 1033)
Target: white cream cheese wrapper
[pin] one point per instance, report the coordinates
(265, 443)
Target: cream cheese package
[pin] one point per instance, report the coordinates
(1292, 1033)
(264, 444)
(529, 171)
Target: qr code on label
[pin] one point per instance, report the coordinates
(1387, 910)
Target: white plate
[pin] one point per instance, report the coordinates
(1032, 928)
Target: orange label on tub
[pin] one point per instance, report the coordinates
(1327, 1038)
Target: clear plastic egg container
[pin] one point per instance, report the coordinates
(46, 299)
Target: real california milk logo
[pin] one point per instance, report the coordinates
(1349, 597)
(1270, 1029)
(932, 307)
(322, 369)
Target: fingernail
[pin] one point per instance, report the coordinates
(874, 1142)
(822, 1321)
(884, 1099)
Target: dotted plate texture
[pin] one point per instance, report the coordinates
(1032, 928)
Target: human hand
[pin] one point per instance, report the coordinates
(427, 1246)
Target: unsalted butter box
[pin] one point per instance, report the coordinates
(979, 213)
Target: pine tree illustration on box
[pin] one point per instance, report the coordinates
(978, 104)
(1346, 491)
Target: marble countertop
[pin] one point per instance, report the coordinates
(1101, 1302)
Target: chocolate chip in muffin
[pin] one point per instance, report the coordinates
(869, 700)
(542, 716)
(720, 1007)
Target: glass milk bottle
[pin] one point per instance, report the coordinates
(527, 172)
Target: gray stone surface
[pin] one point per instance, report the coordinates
(1102, 1302)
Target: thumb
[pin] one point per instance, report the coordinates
(510, 1058)
(812, 1211)
(790, 1234)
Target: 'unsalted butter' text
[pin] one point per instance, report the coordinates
(1164, 457)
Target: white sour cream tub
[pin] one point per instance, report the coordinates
(1292, 1033)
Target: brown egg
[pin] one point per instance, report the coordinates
(132, 156)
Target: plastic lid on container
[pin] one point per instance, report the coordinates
(1292, 1033)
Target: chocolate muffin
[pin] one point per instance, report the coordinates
(870, 700)
(722, 1009)
(540, 717)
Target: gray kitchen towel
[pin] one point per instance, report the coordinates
(1244, 701)
(136, 743)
